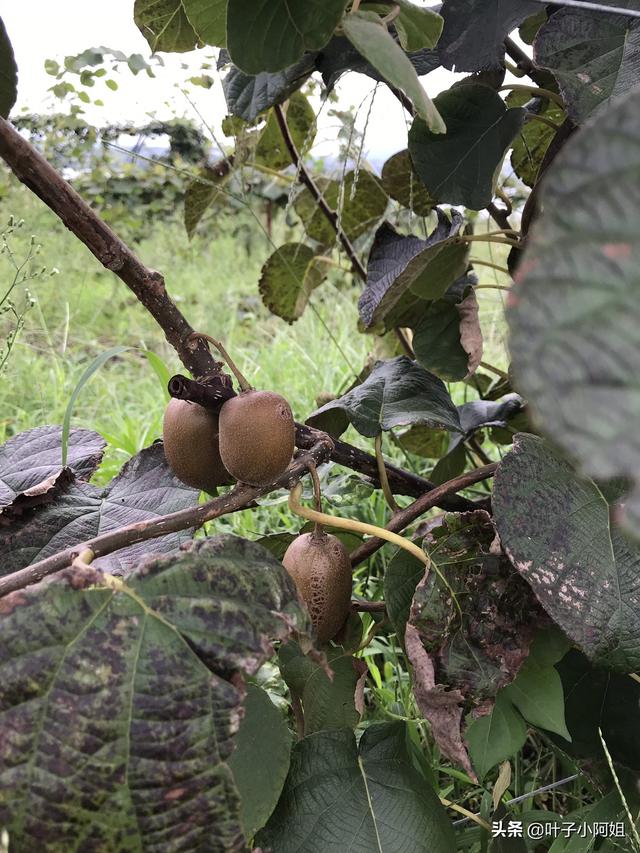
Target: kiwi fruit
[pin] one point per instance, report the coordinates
(191, 446)
(321, 569)
(257, 435)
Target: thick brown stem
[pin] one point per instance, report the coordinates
(405, 517)
(239, 498)
(41, 178)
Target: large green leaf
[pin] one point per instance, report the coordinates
(327, 702)
(367, 798)
(396, 393)
(8, 73)
(447, 336)
(375, 43)
(31, 470)
(288, 279)
(496, 736)
(247, 96)
(358, 199)
(556, 529)
(462, 165)
(260, 759)
(475, 30)
(574, 314)
(133, 691)
(208, 19)
(595, 57)
(270, 35)
(404, 273)
(144, 489)
(165, 25)
(401, 182)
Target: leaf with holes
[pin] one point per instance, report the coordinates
(462, 165)
(371, 790)
(144, 489)
(165, 25)
(270, 35)
(404, 273)
(134, 690)
(371, 39)
(574, 315)
(247, 96)
(31, 471)
(475, 30)
(327, 702)
(289, 277)
(396, 393)
(584, 571)
(271, 149)
(447, 336)
(260, 759)
(401, 182)
(594, 57)
(359, 201)
(8, 73)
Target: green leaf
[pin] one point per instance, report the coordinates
(417, 26)
(95, 365)
(260, 759)
(271, 150)
(165, 25)
(475, 30)
(396, 393)
(270, 35)
(531, 144)
(404, 273)
(401, 577)
(358, 199)
(289, 277)
(401, 182)
(247, 96)
(594, 57)
(584, 571)
(371, 791)
(160, 369)
(375, 43)
(451, 465)
(144, 489)
(208, 19)
(202, 193)
(133, 690)
(537, 690)
(574, 315)
(496, 736)
(328, 703)
(425, 442)
(447, 336)
(8, 73)
(462, 165)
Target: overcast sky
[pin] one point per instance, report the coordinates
(41, 29)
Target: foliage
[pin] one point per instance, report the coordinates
(166, 666)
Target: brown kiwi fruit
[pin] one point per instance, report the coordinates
(191, 447)
(257, 436)
(321, 569)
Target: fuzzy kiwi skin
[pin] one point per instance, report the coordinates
(191, 447)
(257, 435)
(321, 569)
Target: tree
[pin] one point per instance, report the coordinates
(128, 722)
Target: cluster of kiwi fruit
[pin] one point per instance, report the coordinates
(251, 439)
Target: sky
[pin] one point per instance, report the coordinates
(41, 29)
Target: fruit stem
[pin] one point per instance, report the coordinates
(317, 495)
(354, 526)
(242, 381)
(382, 474)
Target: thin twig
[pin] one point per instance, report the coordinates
(407, 516)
